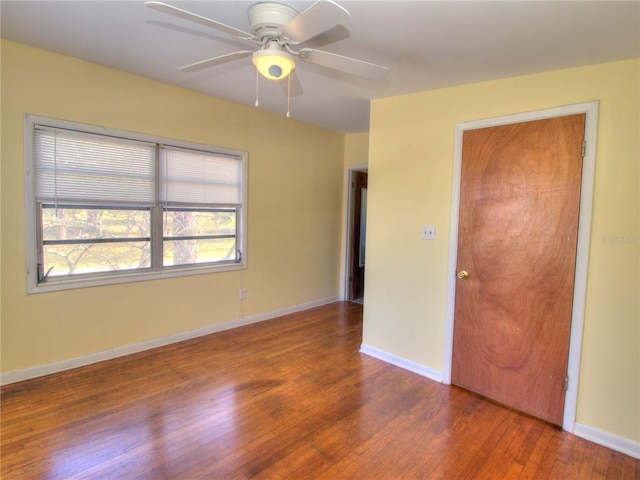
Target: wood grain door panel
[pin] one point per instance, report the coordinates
(518, 224)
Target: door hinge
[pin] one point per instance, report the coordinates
(353, 184)
(566, 383)
(584, 148)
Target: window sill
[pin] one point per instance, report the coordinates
(115, 279)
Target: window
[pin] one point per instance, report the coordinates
(105, 206)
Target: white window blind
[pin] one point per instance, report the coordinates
(193, 177)
(76, 167)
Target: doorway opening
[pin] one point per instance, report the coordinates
(356, 234)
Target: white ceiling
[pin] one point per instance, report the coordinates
(426, 44)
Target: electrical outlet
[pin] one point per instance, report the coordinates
(243, 294)
(428, 232)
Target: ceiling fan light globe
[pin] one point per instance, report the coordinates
(273, 66)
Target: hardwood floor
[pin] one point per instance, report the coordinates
(289, 398)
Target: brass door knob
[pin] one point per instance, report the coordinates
(462, 274)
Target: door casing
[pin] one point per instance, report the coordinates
(584, 239)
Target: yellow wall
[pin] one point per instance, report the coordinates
(295, 190)
(356, 149)
(410, 170)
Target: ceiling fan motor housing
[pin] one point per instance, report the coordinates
(268, 19)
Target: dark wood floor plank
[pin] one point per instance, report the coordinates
(576, 459)
(461, 448)
(288, 398)
(525, 453)
(499, 461)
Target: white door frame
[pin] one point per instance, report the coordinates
(582, 253)
(347, 201)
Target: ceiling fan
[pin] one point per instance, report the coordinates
(278, 29)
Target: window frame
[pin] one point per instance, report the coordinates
(34, 239)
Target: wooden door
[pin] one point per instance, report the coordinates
(518, 226)
(358, 237)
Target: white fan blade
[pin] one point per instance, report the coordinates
(215, 61)
(360, 68)
(296, 87)
(178, 12)
(318, 18)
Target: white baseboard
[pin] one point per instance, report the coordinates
(619, 444)
(402, 362)
(48, 369)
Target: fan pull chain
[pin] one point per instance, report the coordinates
(288, 96)
(257, 77)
